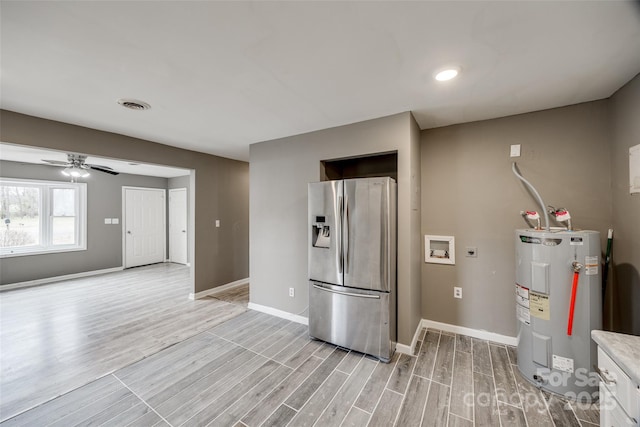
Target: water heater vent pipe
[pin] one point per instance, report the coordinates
(535, 193)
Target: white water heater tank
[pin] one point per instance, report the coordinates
(555, 350)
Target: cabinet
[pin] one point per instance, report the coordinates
(619, 394)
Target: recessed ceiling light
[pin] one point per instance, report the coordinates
(447, 74)
(134, 104)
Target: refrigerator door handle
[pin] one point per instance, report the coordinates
(349, 294)
(339, 252)
(346, 235)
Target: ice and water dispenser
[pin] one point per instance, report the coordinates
(321, 233)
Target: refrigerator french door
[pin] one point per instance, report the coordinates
(352, 264)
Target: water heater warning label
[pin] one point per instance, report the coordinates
(522, 305)
(539, 305)
(591, 265)
(523, 315)
(522, 296)
(563, 364)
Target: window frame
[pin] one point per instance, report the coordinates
(46, 218)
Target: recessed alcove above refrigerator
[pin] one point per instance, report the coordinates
(366, 166)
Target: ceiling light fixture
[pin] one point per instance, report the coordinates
(75, 172)
(134, 104)
(446, 74)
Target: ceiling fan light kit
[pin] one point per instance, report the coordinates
(75, 172)
(75, 167)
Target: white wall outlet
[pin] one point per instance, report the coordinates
(217, 223)
(115, 221)
(107, 220)
(515, 150)
(471, 252)
(457, 292)
(292, 292)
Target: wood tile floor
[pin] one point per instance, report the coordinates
(58, 337)
(238, 295)
(257, 369)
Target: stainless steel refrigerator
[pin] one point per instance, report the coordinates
(352, 264)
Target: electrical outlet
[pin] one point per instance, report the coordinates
(514, 150)
(457, 292)
(292, 292)
(217, 223)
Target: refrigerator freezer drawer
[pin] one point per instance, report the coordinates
(357, 319)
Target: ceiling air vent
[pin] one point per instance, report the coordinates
(134, 104)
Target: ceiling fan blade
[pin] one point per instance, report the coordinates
(103, 169)
(91, 165)
(78, 161)
(56, 162)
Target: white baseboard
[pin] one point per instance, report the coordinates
(218, 289)
(47, 280)
(409, 349)
(475, 333)
(279, 313)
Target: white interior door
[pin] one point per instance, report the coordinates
(144, 226)
(178, 225)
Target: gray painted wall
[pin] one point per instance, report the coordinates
(280, 171)
(411, 300)
(623, 310)
(469, 191)
(220, 186)
(104, 242)
(179, 182)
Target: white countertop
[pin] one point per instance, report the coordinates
(623, 349)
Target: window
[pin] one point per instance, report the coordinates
(41, 216)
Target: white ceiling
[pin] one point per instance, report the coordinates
(223, 75)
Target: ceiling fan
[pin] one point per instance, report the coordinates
(75, 166)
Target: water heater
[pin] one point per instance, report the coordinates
(558, 303)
